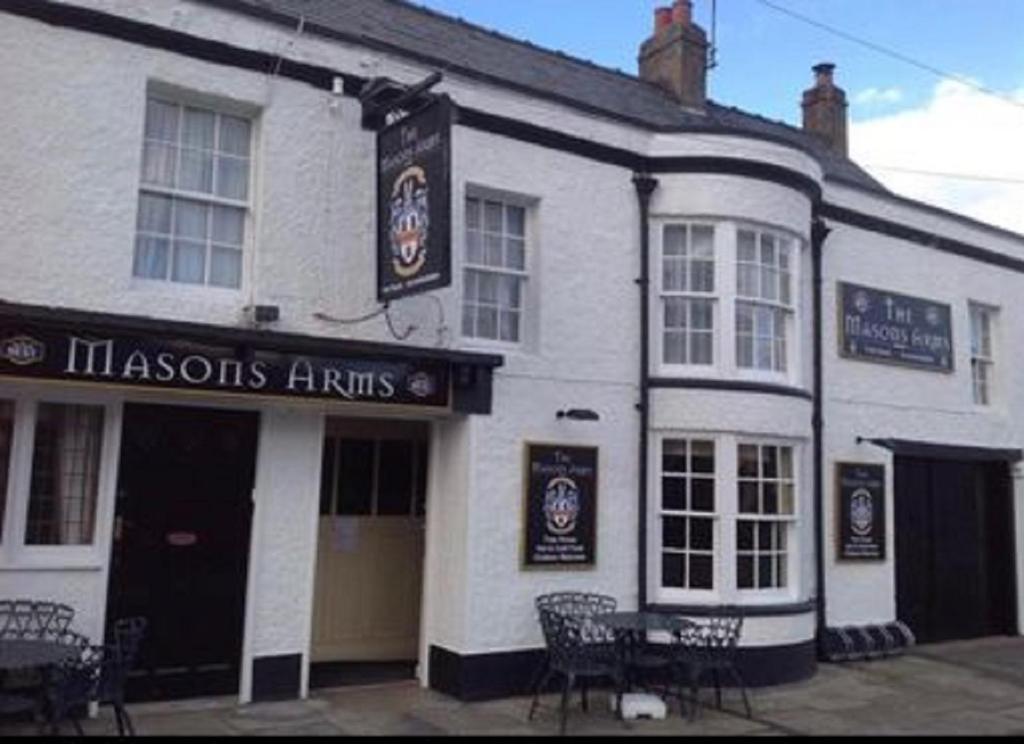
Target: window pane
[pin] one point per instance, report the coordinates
(673, 533)
(228, 225)
(487, 322)
(473, 213)
(786, 498)
(748, 497)
(199, 129)
(702, 243)
(702, 276)
(6, 436)
(673, 570)
(701, 534)
(162, 121)
(745, 572)
(509, 292)
(509, 325)
(151, 257)
(702, 496)
(770, 494)
(196, 171)
(673, 456)
(395, 478)
(673, 275)
(226, 268)
(355, 477)
(764, 571)
(65, 475)
(747, 280)
(487, 284)
(770, 462)
(703, 456)
(159, 164)
(474, 247)
(675, 240)
(515, 254)
(673, 494)
(748, 461)
(233, 178)
(745, 535)
(190, 220)
(746, 246)
(515, 221)
(493, 217)
(701, 571)
(189, 260)
(492, 250)
(235, 135)
(701, 348)
(154, 214)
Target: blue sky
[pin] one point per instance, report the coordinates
(765, 59)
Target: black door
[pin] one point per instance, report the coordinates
(954, 549)
(181, 545)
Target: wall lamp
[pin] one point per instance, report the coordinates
(578, 414)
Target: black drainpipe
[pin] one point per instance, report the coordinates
(645, 186)
(819, 232)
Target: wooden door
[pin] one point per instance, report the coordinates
(371, 541)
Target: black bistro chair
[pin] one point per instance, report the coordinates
(98, 675)
(711, 647)
(578, 649)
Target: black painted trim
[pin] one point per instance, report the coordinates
(952, 452)
(478, 677)
(922, 237)
(735, 386)
(819, 234)
(67, 318)
(158, 37)
(774, 610)
(276, 677)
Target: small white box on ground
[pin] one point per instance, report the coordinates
(640, 705)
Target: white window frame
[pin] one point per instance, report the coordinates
(787, 521)
(979, 357)
(15, 552)
(528, 281)
(688, 513)
(183, 100)
(689, 296)
(725, 581)
(787, 311)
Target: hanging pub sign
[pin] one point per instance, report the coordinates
(861, 490)
(97, 355)
(414, 203)
(880, 326)
(561, 506)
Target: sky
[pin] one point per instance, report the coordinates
(902, 117)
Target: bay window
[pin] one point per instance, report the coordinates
(763, 299)
(725, 517)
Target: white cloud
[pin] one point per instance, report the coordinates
(960, 130)
(873, 96)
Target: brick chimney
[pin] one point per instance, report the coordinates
(825, 110)
(675, 58)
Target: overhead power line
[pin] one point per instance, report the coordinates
(941, 174)
(892, 53)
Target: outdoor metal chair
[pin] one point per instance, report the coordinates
(579, 650)
(582, 606)
(711, 646)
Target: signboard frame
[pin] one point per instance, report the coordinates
(414, 176)
(896, 357)
(533, 508)
(875, 545)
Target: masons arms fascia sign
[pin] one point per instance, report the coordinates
(560, 509)
(860, 489)
(886, 327)
(113, 358)
(414, 203)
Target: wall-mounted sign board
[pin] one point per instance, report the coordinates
(414, 203)
(560, 520)
(880, 326)
(860, 502)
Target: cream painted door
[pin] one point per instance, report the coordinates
(370, 551)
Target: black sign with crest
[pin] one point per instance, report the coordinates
(861, 503)
(561, 506)
(414, 203)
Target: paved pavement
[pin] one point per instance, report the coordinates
(963, 688)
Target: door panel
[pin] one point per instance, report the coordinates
(181, 544)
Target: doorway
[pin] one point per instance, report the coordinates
(369, 572)
(181, 545)
(955, 556)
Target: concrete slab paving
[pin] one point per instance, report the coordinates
(963, 688)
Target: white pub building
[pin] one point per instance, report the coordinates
(321, 360)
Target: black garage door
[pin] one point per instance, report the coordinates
(955, 562)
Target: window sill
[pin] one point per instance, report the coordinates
(775, 609)
(48, 565)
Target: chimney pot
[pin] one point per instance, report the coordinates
(824, 108)
(662, 18)
(682, 12)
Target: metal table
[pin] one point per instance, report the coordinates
(24, 653)
(635, 656)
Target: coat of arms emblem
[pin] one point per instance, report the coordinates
(862, 513)
(409, 222)
(561, 505)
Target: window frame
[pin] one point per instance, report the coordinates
(183, 100)
(727, 516)
(688, 514)
(787, 312)
(688, 296)
(978, 358)
(15, 552)
(525, 276)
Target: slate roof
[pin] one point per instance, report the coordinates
(455, 45)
